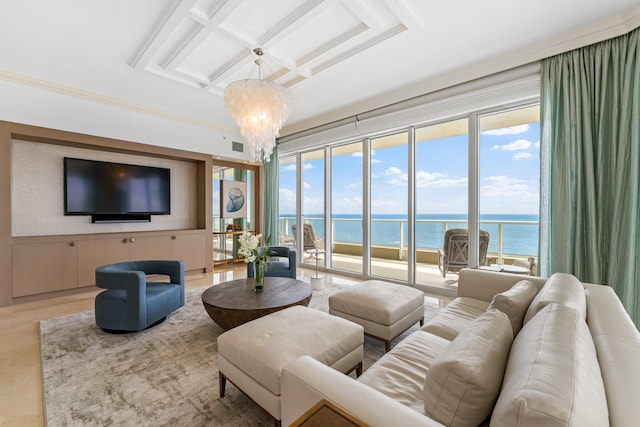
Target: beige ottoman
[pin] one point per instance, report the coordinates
(251, 356)
(385, 310)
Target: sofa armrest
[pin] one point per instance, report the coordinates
(484, 284)
(306, 381)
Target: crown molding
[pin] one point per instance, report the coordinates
(107, 100)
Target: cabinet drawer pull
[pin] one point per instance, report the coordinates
(132, 240)
(72, 243)
(173, 237)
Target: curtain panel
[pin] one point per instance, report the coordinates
(590, 166)
(271, 199)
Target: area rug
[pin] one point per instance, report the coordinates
(163, 376)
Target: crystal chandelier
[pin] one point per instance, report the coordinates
(260, 108)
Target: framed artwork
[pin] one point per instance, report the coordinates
(233, 199)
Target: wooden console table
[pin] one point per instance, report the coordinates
(223, 236)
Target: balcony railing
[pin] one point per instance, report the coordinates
(514, 239)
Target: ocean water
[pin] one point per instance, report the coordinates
(520, 239)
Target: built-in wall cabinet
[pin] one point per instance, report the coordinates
(44, 252)
(42, 267)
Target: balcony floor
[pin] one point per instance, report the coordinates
(426, 274)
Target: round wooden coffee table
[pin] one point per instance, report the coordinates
(233, 303)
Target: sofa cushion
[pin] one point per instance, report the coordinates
(514, 302)
(463, 382)
(552, 376)
(400, 373)
(457, 315)
(560, 288)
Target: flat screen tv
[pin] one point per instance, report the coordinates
(115, 191)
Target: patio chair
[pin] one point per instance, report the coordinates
(454, 254)
(309, 240)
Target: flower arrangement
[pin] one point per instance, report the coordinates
(249, 250)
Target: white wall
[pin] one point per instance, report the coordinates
(37, 196)
(33, 105)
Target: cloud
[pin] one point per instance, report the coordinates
(435, 179)
(537, 144)
(287, 200)
(292, 167)
(520, 144)
(359, 153)
(373, 161)
(510, 195)
(392, 171)
(511, 130)
(424, 179)
(521, 155)
(306, 185)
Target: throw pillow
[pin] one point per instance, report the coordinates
(463, 382)
(514, 302)
(553, 377)
(563, 289)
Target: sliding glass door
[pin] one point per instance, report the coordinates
(441, 196)
(389, 206)
(510, 184)
(347, 207)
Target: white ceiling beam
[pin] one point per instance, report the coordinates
(359, 48)
(196, 39)
(173, 16)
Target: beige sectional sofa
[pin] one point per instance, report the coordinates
(543, 352)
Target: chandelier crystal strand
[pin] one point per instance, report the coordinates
(260, 108)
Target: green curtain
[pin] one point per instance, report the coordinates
(271, 187)
(590, 166)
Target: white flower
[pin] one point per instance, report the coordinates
(248, 247)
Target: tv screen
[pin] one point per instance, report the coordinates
(103, 188)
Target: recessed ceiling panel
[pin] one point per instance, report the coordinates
(326, 26)
(209, 43)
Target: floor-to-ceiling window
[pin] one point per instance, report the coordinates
(287, 200)
(441, 196)
(389, 206)
(346, 206)
(392, 196)
(313, 208)
(509, 182)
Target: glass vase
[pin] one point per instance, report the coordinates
(259, 276)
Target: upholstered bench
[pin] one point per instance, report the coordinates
(252, 356)
(385, 310)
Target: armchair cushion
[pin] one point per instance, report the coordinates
(283, 266)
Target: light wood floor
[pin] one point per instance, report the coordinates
(20, 368)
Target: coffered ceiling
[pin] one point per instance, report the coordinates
(207, 44)
(149, 70)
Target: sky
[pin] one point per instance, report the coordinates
(509, 177)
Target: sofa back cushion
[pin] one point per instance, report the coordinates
(560, 288)
(463, 382)
(553, 377)
(515, 302)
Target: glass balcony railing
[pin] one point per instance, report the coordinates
(509, 238)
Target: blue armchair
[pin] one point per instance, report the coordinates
(284, 266)
(130, 302)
